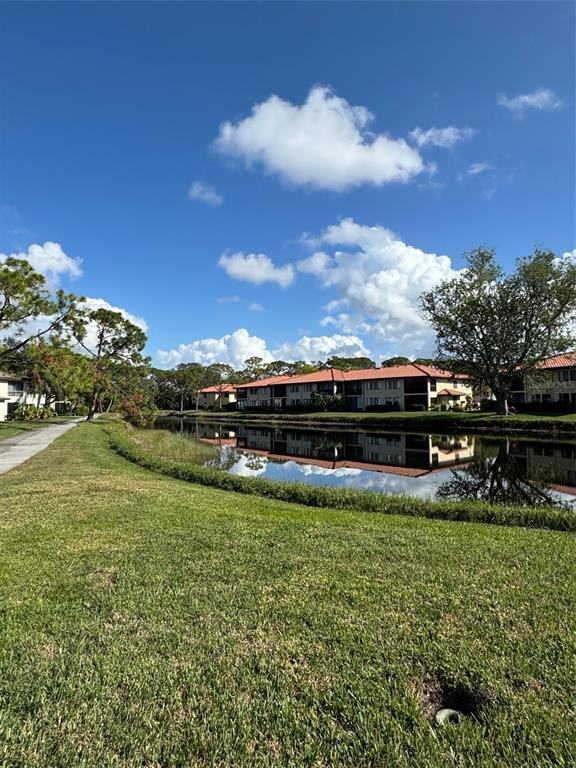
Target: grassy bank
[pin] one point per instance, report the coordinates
(410, 420)
(9, 430)
(146, 449)
(149, 622)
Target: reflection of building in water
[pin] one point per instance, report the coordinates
(396, 453)
(214, 435)
(552, 463)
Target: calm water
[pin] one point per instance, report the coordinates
(446, 466)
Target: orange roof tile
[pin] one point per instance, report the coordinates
(364, 374)
(220, 388)
(567, 360)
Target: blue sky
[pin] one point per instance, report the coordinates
(316, 217)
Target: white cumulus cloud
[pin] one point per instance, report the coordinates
(440, 137)
(235, 348)
(322, 143)
(50, 260)
(378, 280)
(541, 98)
(256, 268)
(321, 347)
(205, 193)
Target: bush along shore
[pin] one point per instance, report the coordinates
(124, 441)
(464, 422)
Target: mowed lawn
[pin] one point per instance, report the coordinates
(150, 622)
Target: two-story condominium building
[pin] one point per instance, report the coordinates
(554, 381)
(218, 396)
(402, 387)
(12, 393)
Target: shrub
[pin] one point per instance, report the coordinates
(31, 412)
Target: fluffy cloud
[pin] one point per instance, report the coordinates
(256, 268)
(541, 98)
(378, 279)
(205, 193)
(235, 348)
(440, 137)
(322, 143)
(570, 256)
(50, 260)
(321, 347)
(255, 307)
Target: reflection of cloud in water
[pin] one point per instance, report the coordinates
(249, 466)
(310, 469)
(358, 479)
(425, 487)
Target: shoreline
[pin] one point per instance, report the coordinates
(465, 423)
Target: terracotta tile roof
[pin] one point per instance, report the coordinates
(364, 374)
(450, 392)
(567, 360)
(220, 388)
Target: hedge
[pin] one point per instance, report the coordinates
(343, 498)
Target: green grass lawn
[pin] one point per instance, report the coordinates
(428, 417)
(149, 622)
(9, 430)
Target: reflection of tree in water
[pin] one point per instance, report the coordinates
(226, 459)
(500, 480)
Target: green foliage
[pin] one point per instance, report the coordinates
(392, 361)
(350, 363)
(496, 327)
(118, 365)
(24, 297)
(325, 401)
(30, 412)
(341, 498)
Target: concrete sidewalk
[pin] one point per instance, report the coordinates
(18, 449)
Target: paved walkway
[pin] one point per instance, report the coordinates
(18, 449)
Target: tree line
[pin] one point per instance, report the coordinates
(491, 326)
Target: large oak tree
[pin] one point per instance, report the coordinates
(497, 327)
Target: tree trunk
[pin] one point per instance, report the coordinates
(181, 402)
(502, 403)
(93, 405)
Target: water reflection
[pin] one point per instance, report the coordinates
(448, 466)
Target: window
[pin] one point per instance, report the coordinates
(307, 387)
(573, 375)
(565, 375)
(15, 388)
(392, 401)
(373, 384)
(253, 391)
(373, 440)
(293, 388)
(373, 401)
(432, 385)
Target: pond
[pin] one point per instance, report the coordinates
(505, 470)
